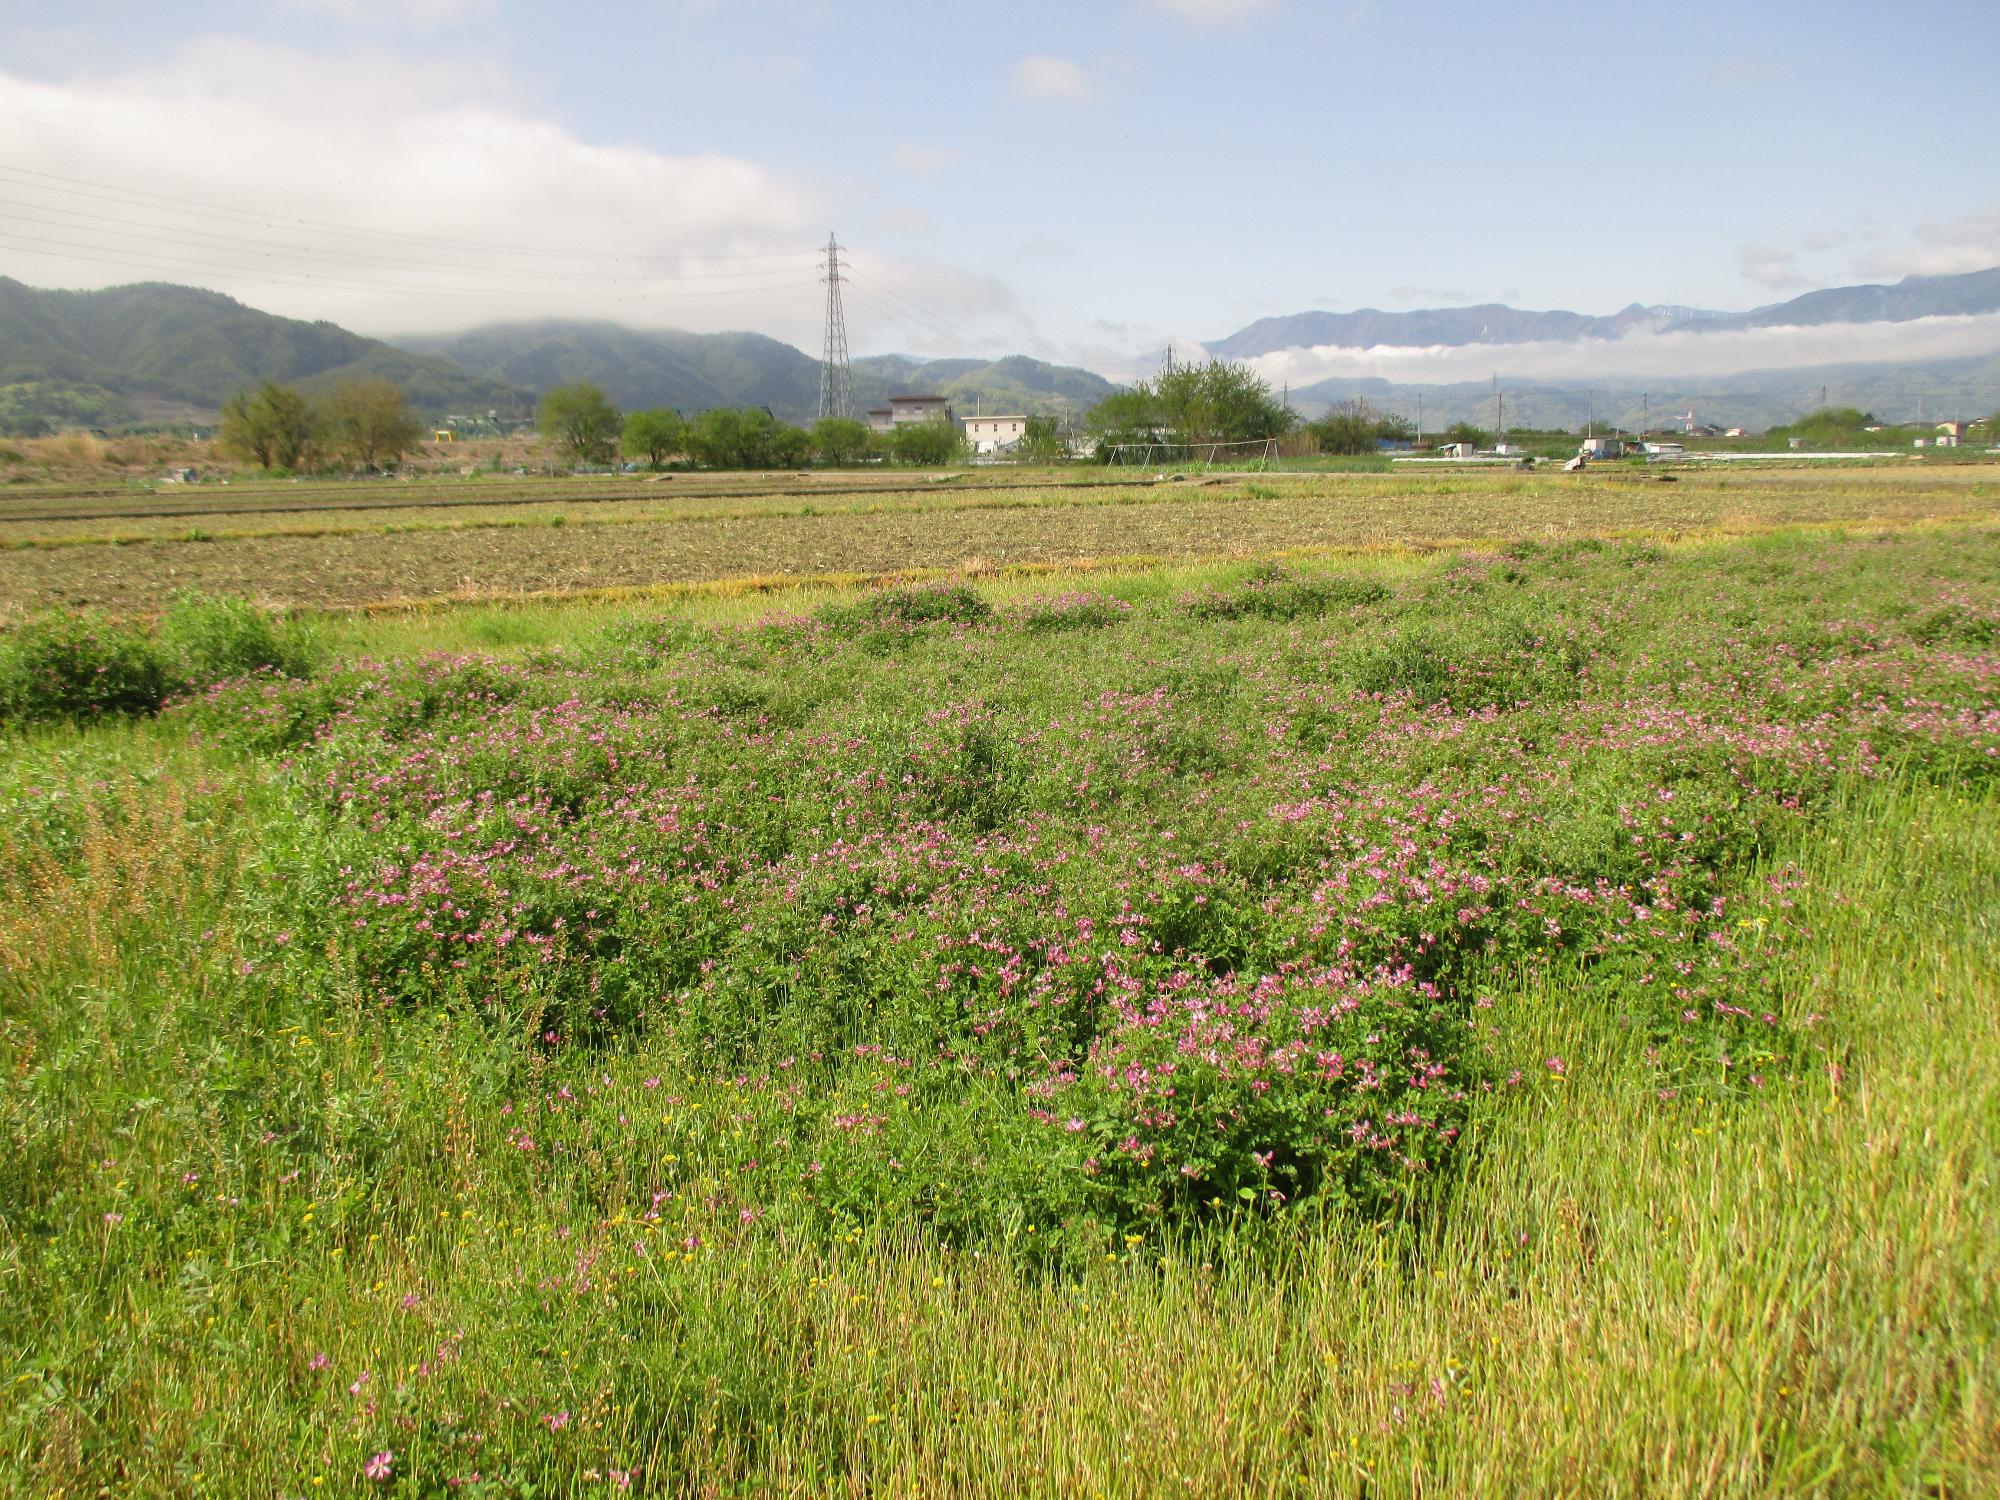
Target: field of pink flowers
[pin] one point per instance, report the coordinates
(497, 1072)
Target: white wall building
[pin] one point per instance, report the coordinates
(991, 434)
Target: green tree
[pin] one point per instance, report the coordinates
(368, 422)
(790, 447)
(1219, 402)
(273, 427)
(580, 421)
(1042, 441)
(726, 438)
(1121, 412)
(1465, 432)
(1831, 425)
(840, 440)
(1395, 429)
(928, 443)
(655, 435)
(1347, 430)
(746, 438)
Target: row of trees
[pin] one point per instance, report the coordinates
(364, 423)
(585, 427)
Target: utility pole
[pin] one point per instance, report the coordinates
(836, 376)
(1646, 414)
(1420, 419)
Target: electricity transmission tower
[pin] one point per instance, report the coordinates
(836, 378)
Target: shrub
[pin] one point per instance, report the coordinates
(77, 664)
(207, 639)
(912, 608)
(1081, 611)
(1272, 593)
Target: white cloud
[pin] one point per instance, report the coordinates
(1646, 353)
(926, 307)
(376, 190)
(392, 12)
(1215, 12)
(1054, 80)
(923, 160)
(1772, 267)
(1942, 249)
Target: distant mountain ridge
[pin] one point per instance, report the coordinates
(155, 351)
(111, 352)
(694, 371)
(1493, 323)
(1757, 399)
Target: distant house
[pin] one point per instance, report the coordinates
(903, 410)
(1736, 432)
(1603, 447)
(1953, 430)
(991, 434)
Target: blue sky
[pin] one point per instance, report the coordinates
(1080, 181)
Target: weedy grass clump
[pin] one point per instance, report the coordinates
(80, 665)
(1276, 593)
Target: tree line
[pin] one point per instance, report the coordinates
(364, 423)
(584, 426)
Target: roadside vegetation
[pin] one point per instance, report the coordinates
(1514, 1020)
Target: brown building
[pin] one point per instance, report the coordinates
(903, 410)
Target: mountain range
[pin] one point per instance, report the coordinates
(1493, 323)
(694, 371)
(154, 353)
(157, 352)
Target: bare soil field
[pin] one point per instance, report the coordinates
(357, 545)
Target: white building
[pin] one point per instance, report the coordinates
(992, 434)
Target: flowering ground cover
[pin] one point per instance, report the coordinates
(1516, 1019)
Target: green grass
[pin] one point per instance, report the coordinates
(244, 1135)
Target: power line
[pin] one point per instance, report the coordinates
(72, 187)
(954, 326)
(287, 276)
(907, 318)
(203, 240)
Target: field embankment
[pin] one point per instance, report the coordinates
(355, 545)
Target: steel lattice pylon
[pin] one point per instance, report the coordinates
(836, 379)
